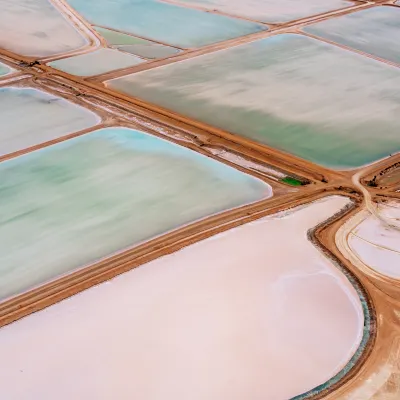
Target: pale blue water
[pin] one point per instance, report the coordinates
(4, 69)
(30, 117)
(167, 23)
(73, 203)
(294, 93)
(96, 63)
(375, 31)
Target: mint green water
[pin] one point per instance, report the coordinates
(315, 100)
(134, 45)
(36, 28)
(167, 23)
(97, 62)
(5, 69)
(375, 31)
(75, 202)
(30, 117)
(271, 10)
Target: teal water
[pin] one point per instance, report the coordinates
(30, 117)
(5, 69)
(167, 23)
(300, 95)
(134, 45)
(271, 10)
(36, 28)
(375, 31)
(70, 204)
(97, 62)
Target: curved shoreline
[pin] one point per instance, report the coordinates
(369, 330)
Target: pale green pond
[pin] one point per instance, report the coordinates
(36, 28)
(164, 22)
(134, 45)
(5, 69)
(271, 10)
(30, 117)
(73, 203)
(97, 62)
(294, 93)
(375, 31)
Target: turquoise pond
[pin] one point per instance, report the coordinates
(303, 96)
(167, 23)
(45, 117)
(375, 31)
(73, 203)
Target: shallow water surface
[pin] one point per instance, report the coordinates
(30, 117)
(134, 45)
(5, 69)
(375, 31)
(167, 23)
(271, 10)
(36, 28)
(97, 62)
(377, 245)
(295, 93)
(231, 317)
(75, 202)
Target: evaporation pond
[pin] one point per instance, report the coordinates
(30, 117)
(36, 28)
(375, 31)
(164, 22)
(295, 93)
(73, 203)
(270, 10)
(134, 45)
(5, 70)
(230, 317)
(96, 63)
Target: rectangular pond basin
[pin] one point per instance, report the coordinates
(78, 201)
(97, 62)
(230, 317)
(295, 93)
(270, 10)
(30, 117)
(375, 31)
(167, 23)
(36, 28)
(134, 45)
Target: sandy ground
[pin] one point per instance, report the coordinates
(242, 321)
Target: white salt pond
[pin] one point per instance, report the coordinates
(271, 10)
(36, 28)
(254, 313)
(30, 117)
(97, 62)
(377, 245)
